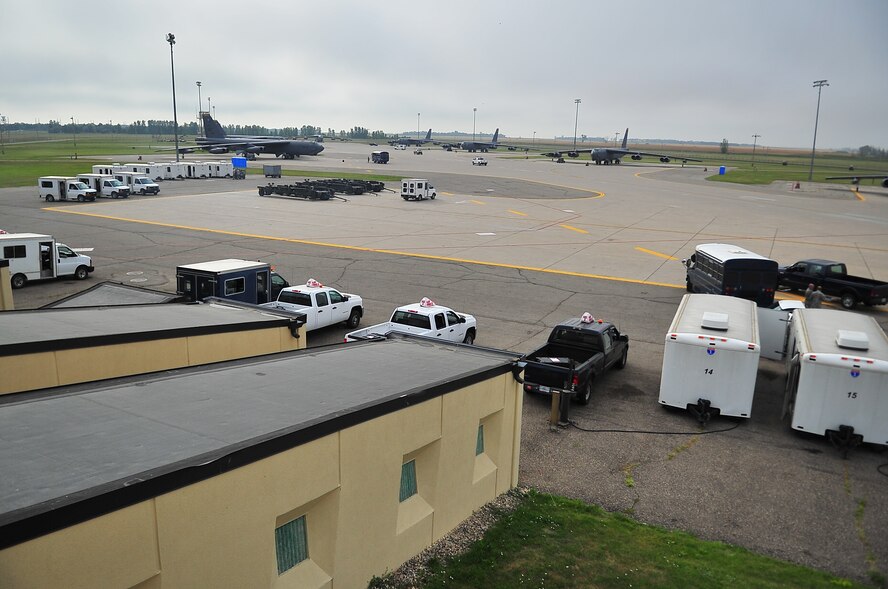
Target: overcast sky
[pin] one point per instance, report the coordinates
(683, 69)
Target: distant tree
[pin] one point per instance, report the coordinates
(378, 135)
(870, 152)
(724, 146)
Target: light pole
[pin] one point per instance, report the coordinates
(534, 142)
(199, 118)
(417, 125)
(754, 140)
(2, 125)
(819, 84)
(576, 120)
(171, 39)
(209, 108)
(74, 131)
(474, 111)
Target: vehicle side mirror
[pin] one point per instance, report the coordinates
(345, 297)
(462, 319)
(624, 338)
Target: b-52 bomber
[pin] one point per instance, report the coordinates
(411, 141)
(216, 141)
(856, 179)
(613, 155)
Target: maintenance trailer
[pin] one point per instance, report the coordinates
(711, 357)
(837, 377)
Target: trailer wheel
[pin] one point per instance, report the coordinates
(848, 300)
(585, 395)
(19, 280)
(354, 319)
(81, 273)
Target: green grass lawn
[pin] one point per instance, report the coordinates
(555, 542)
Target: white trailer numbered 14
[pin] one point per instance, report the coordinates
(837, 377)
(711, 357)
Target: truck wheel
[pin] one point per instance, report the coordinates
(81, 273)
(470, 337)
(19, 280)
(689, 287)
(354, 319)
(142, 192)
(113, 195)
(848, 300)
(586, 394)
(432, 196)
(623, 360)
(80, 198)
(49, 198)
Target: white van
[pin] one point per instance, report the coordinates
(51, 188)
(837, 376)
(33, 256)
(107, 186)
(138, 182)
(417, 189)
(711, 357)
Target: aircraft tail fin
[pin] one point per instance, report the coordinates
(212, 128)
(625, 137)
(495, 136)
(429, 135)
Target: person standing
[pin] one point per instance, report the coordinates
(808, 292)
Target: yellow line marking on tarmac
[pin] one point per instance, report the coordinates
(653, 253)
(572, 228)
(517, 213)
(371, 250)
(478, 202)
(857, 194)
(447, 193)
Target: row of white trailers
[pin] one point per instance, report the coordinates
(170, 170)
(836, 365)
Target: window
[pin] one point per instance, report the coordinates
(335, 297)
(46, 184)
(452, 318)
(439, 321)
(295, 298)
(65, 252)
(408, 480)
(322, 299)
(235, 286)
(13, 251)
(479, 443)
(291, 544)
(411, 319)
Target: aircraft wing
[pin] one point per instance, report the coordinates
(561, 152)
(859, 177)
(631, 152)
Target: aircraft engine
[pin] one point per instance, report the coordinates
(573, 154)
(885, 183)
(254, 149)
(218, 150)
(665, 160)
(553, 154)
(636, 157)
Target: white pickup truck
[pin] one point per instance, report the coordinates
(426, 319)
(321, 305)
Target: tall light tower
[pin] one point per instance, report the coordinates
(171, 39)
(417, 125)
(534, 142)
(754, 140)
(576, 120)
(474, 112)
(199, 118)
(819, 84)
(74, 131)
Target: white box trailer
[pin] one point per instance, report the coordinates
(711, 357)
(837, 377)
(197, 170)
(220, 169)
(34, 256)
(172, 170)
(108, 169)
(107, 186)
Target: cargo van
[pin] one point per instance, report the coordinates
(417, 189)
(837, 377)
(138, 182)
(33, 256)
(64, 188)
(711, 357)
(379, 157)
(107, 186)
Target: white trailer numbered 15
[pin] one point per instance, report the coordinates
(837, 377)
(711, 357)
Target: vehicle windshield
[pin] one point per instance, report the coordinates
(80, 186)
(411, 319)
(143, 181)
(116, 183)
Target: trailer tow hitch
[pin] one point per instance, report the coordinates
(845, 439)
(701, 411)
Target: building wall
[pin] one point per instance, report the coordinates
(221, 532)
(28, 372)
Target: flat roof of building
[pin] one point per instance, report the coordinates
(42, 330)
(90, 449)
(230, 265)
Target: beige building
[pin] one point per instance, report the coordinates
(315, 468)
(56, 347)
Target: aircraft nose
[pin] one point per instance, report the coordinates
(320, 148)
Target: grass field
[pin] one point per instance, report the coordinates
(560, 543)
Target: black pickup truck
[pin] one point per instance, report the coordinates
(578, 350)
(834, 279)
